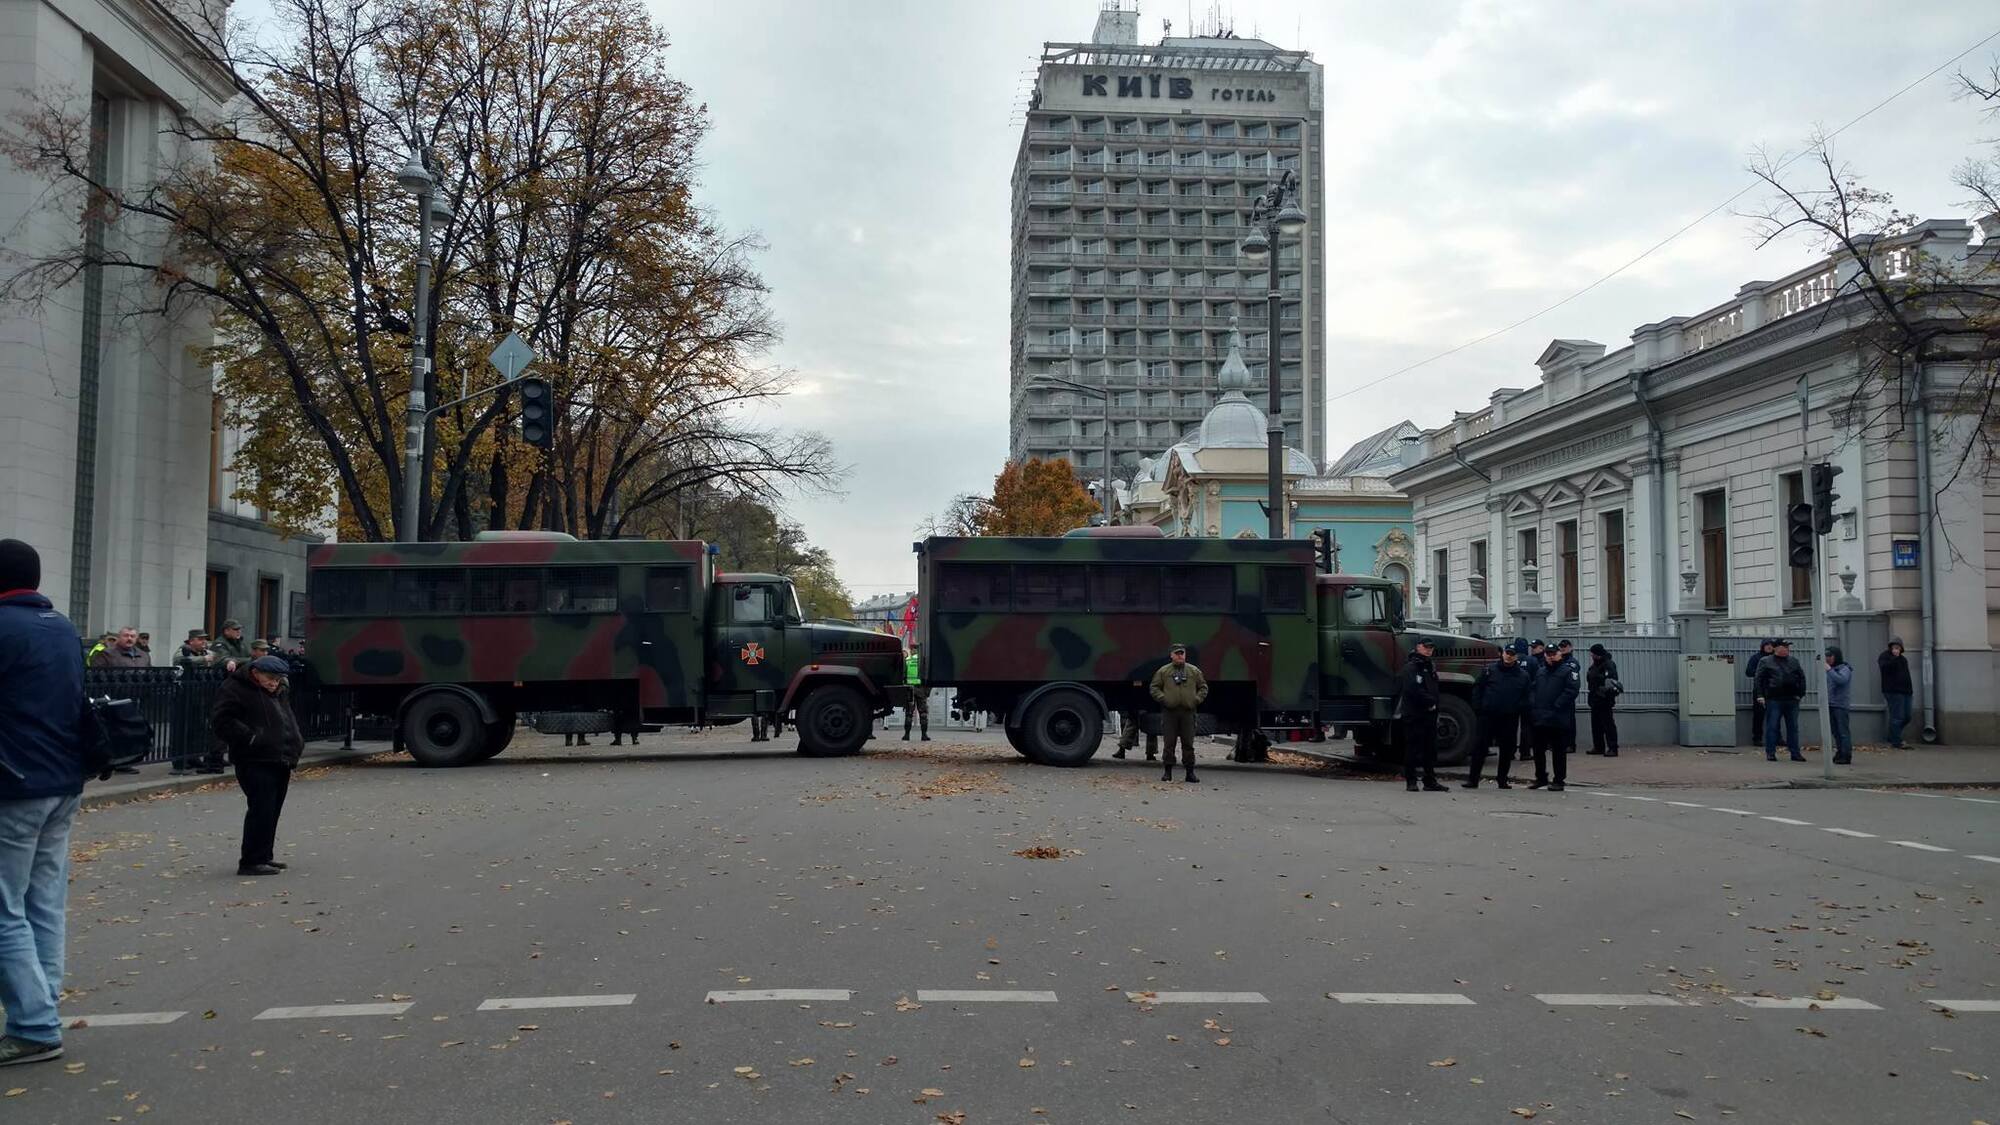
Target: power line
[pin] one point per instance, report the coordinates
(1650, 250)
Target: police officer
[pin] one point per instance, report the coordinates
(1501, 698)
(1179, 688)
(1535, 663)
(1552, 705)
(1128, 735)
(1417, 712)
(919, 709)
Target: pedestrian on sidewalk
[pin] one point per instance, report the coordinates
(1840, 704)
(1781, 683)
(1757, 705)
(1129, 724)
(1500, 697)
(1553, 707)
(1604, 689)
(1417, 714)
(253, 718)
(44, 727)
(1535, 662)
(1180, 689)
(1896, 689)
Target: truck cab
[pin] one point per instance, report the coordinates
(765, 658)
(1364, 641)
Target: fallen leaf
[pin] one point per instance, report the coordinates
(17, 1091)
(1813, 1031)
(1519, 1110)
(1223, 1041)
(1025, 1063)
(933, 1092)
(955, 1117)
(1969, 1076)
(905, 1004)
(452, 1043)
(802, 1062)
(1684, 1113)
(1444, 1062)
(528, 1027)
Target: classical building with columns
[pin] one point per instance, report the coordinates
(1627, 484)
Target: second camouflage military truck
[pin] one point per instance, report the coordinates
(454, 640)
(1055, 634)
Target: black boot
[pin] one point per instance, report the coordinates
(1190, 778)
(1168, 773)
(1120, 753)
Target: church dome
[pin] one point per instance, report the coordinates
(1234, 422)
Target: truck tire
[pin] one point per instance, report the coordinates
(1458, 729)
(833, 722)
(1062, 728)
(442, 728)
(498, 735)
(1015, 740)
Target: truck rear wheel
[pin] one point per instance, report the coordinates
(1015, 739)
(1062, 728)
(443, 728)
(833, 721)
(1458, 729)
(498, 735)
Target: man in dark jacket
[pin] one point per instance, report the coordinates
(230, 646)
(1534, 662)
(1603, 688)
(1179, 688)
(1552, 705)
(44, 727)
(1781, 683)
(1501, 698)
(1896, 688)
(1417, 713)
(1757, 705)
(253, 718)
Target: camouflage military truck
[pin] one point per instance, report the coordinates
(1055, 634)
(455, 640)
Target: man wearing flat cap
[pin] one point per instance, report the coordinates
(253, 718)
(1179, 688)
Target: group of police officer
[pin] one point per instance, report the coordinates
(1526, 706)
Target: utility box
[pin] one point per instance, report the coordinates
(1708, 699)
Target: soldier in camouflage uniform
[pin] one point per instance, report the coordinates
(1129, 723)
(1179, 688)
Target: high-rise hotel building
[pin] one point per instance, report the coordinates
(1133, 188)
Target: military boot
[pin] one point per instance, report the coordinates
(1190, 778)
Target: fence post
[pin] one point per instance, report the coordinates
(1477, 620)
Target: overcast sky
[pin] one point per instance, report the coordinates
(1484, 160)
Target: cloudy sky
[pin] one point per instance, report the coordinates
(1485, 159)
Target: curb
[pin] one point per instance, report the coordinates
(1353, 762)
(146, 790)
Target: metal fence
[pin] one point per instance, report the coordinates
(1647, 666)
(177, 702)
(1743, 648)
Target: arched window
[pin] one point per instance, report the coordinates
(1396, 573)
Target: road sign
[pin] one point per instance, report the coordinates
(512, 356)
(1904, 554)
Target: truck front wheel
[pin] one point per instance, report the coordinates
(1062, 728)
(1017, 741)
(833, 721)
(443, 728)
(1457, 730)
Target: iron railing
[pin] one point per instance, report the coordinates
(178, 701)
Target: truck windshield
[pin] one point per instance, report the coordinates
(1365, 607)
(788, 603)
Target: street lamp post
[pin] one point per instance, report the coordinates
(1046, 381)
(416, 179)
(1277, 215)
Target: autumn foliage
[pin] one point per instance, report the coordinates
(1036, 497)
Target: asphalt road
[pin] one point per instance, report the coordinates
(539, 939)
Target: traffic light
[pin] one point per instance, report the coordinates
(1799, 534)
(1823, 496)
(1323, 550)
(537, 413)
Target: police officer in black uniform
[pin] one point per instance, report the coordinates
(1417, 712)
(1552, 704)
(1501, 698)
(1535, 664)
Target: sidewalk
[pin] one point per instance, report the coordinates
(155, 778)
(1744, 768)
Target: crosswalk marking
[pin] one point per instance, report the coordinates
(1985, 858)
(515, 1003)
(1788, 820)
(1967, 1005)
(1196, 998)
(1399, 998)
(1686, 805)
(319, 1011)
(983, 996)
(1731, 812)
(1918, 846)
(1609, 999)
(741, 995)
(1838, 1003)
(123, 1019)
(1850, 832)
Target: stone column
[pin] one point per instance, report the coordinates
(1477, 619)
(1531, 617)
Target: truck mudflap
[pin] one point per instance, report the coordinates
(879, 696)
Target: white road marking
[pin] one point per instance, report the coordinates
(739, 995)
(122, 1019)
(1919, 847)
(1731, 812)
(1196, 998)
(1850, 832)
(1631, 797)
(1399, 998)
(1788, 820)
(983, 996)
(1980, 800)
(1609, 1000)
(1838, 1003)
(1967, 1005)
(513, 1003)
(1686, 805)
(1985, 858)
(320, 1011)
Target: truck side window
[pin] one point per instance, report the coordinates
(350, 593)
(506, 591)
(667, 589)
(1198, 589)
(1049, 588)
(1364, 606)
(750, 605)
(1284, 590)
(429, 591)
(583, 589)
(1124, 589)
(964, 587)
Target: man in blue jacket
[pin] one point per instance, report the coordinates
(44, 723)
